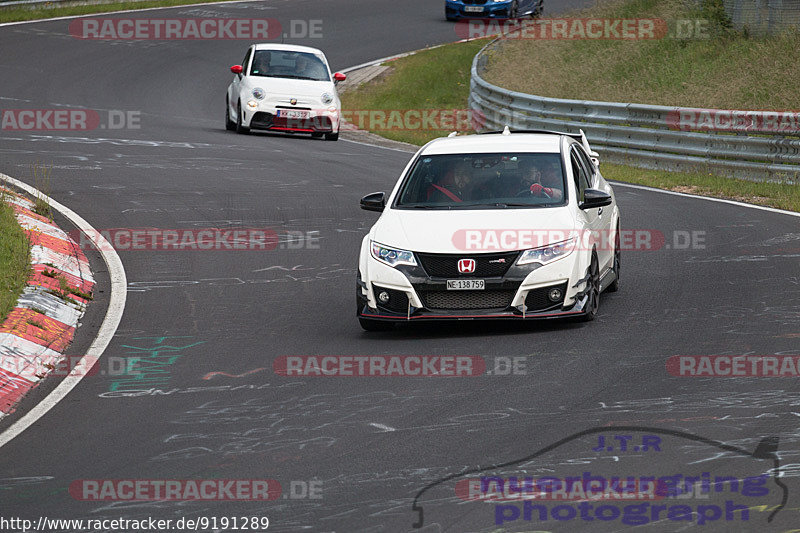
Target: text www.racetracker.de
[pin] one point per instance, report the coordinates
(202, 523)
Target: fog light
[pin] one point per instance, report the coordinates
(383, 297)
(554, 295)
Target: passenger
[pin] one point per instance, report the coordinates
(453, 186)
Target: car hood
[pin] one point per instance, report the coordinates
(290, 87)
(455, 231)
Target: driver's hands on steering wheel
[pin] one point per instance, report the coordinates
(537, 189)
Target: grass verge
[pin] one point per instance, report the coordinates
(724, 69)
(49, 10)
(14, 258)
(432, 79)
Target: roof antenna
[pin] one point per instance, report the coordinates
(453, 134)
(506, 131)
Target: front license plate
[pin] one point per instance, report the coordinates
(288, 113)
(473, 9)
(465, 284)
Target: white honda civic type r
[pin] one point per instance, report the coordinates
(285, 88)
(500, 225)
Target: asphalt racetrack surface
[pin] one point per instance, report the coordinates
(375, 454)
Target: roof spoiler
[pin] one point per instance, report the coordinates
(594, 156)
(580, 137)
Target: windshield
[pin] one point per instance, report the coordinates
(484, 181)
(285, 64)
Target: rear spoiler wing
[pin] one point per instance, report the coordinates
(580, 137)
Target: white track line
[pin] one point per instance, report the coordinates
(708, 198)
(116, 306)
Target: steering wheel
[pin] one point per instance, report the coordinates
(529, 193)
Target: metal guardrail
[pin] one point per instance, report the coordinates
(638, 134)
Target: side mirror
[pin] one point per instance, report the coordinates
(237, 69)
(595, 198)
(339, 77)
(374, 202)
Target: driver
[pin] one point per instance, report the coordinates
(544, 181)
(305, 67)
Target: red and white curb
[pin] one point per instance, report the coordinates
(41, 326)
(116, 307)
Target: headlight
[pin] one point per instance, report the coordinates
(548, 253)
(252, 104)
(258, 93)
(326, 98)
(392, 256)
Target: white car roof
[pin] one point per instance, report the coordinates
(515, 142)
(288, 48)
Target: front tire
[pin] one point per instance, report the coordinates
(239, 127)
(614, 287)
(229, 124)
(593, 281)
(332, 136)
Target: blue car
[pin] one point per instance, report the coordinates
(500, 9)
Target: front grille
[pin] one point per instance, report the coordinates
(292, 107)
(486, 265)
(537, 299)
(494, 299)
(474, 2)
(267, 120)
(398, 300)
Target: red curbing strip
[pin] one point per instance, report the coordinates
(12, 389)
(28, 213)
(38, 328)
(39, 279)
(38, 238)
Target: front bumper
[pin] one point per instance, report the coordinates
(492, 10)
(269, 118)
(520, 293)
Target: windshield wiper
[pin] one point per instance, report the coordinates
(496, 204)
(294, 77)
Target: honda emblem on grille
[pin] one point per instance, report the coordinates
(466, 266)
